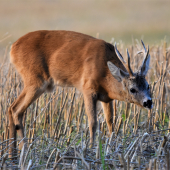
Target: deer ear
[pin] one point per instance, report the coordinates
(117, 73)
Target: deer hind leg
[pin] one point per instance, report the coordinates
(90, 106)
(12, 135)
(12, 127)
(108, 112)
(17, 109)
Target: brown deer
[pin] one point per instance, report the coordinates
(65, 58)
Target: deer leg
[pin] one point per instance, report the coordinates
(18, 108)
(90, 106)
(12, 135)
(12, 127)
(108, 112)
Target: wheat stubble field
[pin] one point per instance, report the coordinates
(56, 126)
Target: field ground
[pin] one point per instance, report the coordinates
(56, 125)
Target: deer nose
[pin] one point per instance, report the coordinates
(148, 104)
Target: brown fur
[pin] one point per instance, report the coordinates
(65, 58)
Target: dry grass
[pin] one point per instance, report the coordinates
(119, 19)
(56, 126)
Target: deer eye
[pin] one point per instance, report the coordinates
(132, 90)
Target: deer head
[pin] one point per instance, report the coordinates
(135, 85)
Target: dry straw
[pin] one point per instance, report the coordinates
(56, 127)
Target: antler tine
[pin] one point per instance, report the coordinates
(144, 46)
(129, 68)
(119, 55)
(145, 65)
(146, 51)
(147, 55)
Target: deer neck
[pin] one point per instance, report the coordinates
(115, 89)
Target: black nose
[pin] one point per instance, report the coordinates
(148, 104)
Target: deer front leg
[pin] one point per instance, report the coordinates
(90, 100)
(108, 112)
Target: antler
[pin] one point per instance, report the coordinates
(119, 55)
(129, 68)
(123, 61)
(146, 61)
(145, 65)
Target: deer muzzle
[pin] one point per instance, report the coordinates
(148, 104)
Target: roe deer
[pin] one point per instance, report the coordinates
(65, 58)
